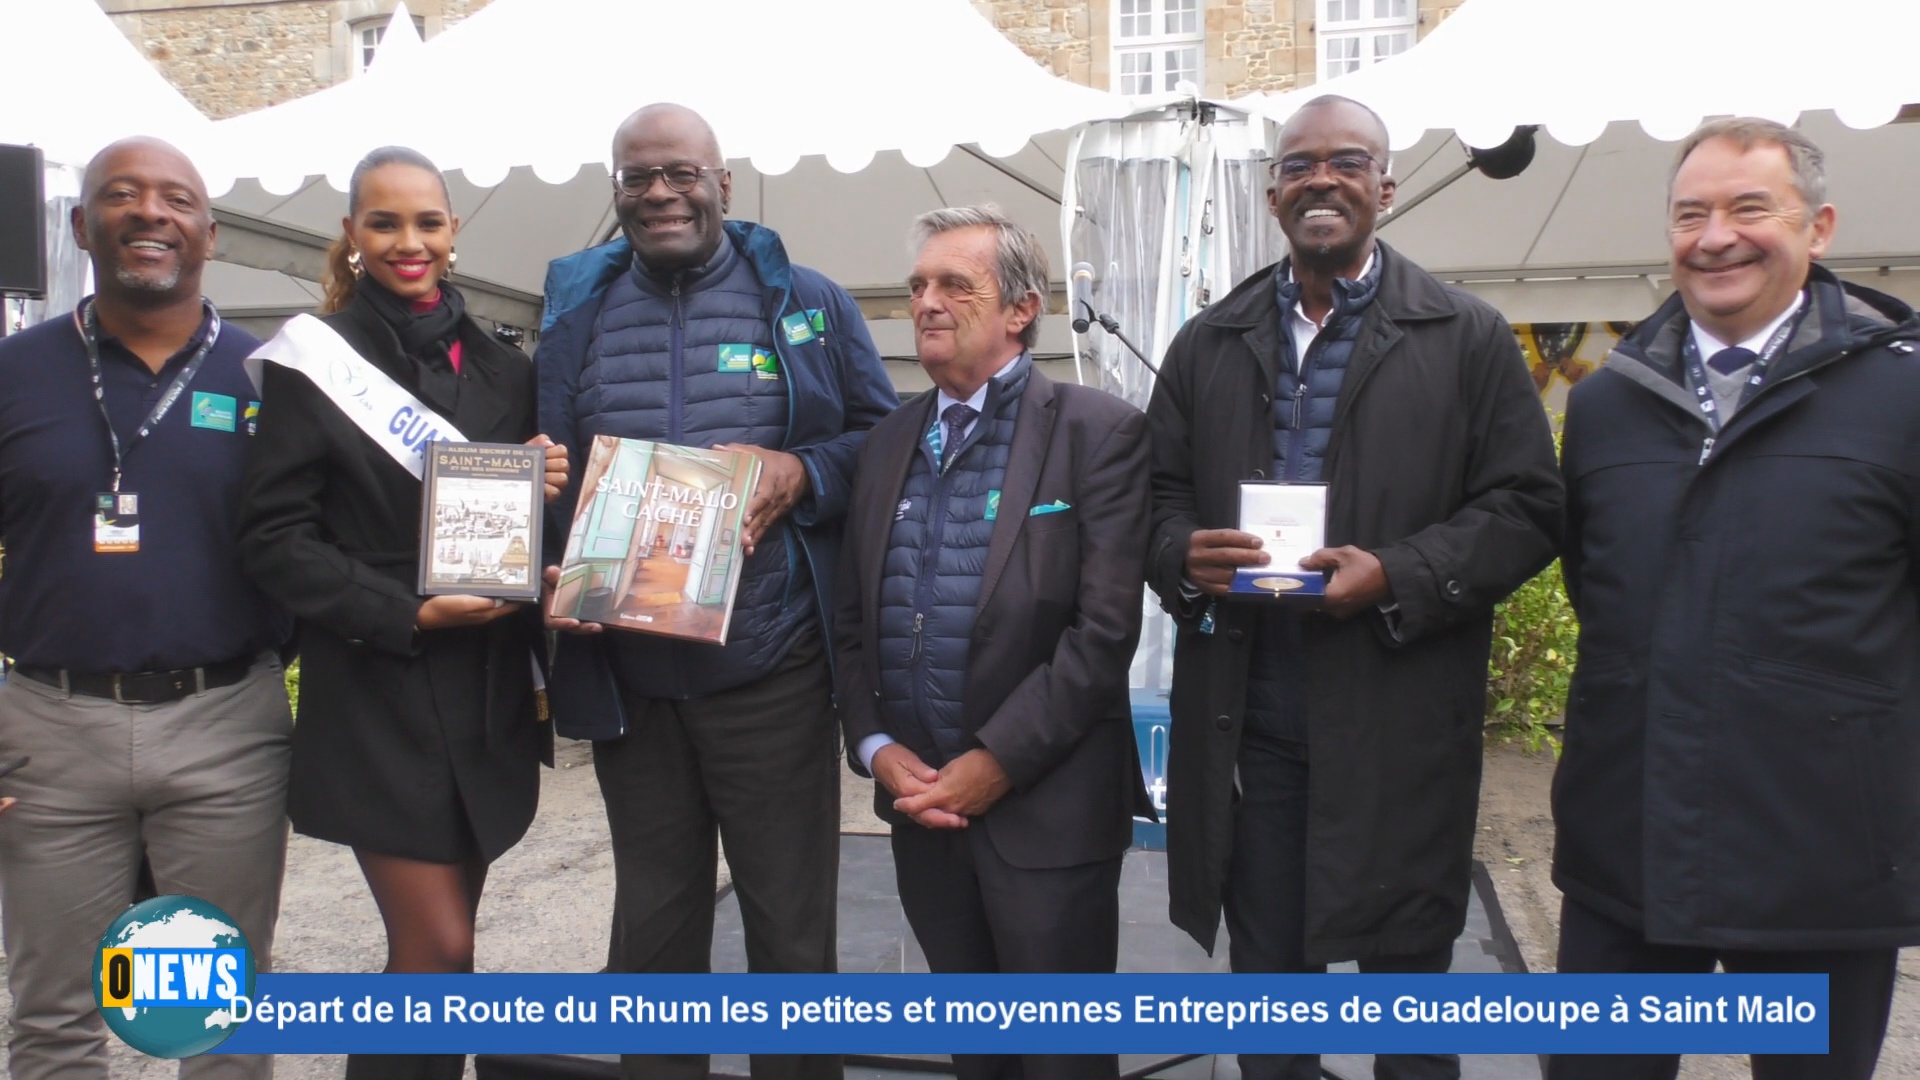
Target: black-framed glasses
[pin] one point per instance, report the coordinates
(680, 177)
(1351, 166)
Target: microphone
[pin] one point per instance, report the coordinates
(1082, 297)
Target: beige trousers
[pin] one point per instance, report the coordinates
(197, 785)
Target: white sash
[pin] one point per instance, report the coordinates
(377, 405)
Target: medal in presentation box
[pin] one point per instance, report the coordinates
(1291, 522)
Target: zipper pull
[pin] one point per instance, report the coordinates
(1706, 447)
(1299, 405)
(918, 621)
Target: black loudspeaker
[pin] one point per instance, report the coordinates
(23, 232)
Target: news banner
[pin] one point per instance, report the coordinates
(174, 977)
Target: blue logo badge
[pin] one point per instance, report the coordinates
(168, 974)
(736, 357)
(798, 329)
(214, 411)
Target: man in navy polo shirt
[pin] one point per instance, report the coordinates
(144, 683)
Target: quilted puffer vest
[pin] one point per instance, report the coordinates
(930, 583)
(689, 359)
(1303, 409)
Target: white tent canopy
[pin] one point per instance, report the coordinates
(840, 119)
(71, 115)
(1579, 235)
(543, 83)
(1575, 66)
(73, 83)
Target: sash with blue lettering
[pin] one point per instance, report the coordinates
(393, 418)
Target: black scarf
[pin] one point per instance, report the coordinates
(427, 336)
(426, 339)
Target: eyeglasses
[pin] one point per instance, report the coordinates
(681, 178)
(1351, 166)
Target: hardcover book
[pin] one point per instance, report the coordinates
(656, 542)
(480, 520)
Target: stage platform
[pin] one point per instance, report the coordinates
(874, 937)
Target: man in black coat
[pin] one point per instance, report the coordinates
(1351, 733)
(987, 611)
(1744, 724)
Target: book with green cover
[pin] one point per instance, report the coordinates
(656, 543)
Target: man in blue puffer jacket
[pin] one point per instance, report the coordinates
(646, 339)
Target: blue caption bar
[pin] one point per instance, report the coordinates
(1145, 1014)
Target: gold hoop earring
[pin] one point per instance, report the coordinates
(353, 262)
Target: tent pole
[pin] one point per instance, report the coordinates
(1400, 209)
(1010, 172)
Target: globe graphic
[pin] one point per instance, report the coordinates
(174, 922)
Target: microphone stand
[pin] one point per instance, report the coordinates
(1112, 326)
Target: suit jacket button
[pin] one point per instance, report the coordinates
(1259, 474)
(1224, 723)
(1453, 590)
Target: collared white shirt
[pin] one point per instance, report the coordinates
(1730, 387)
(1303, 329)
(978, 402)
(871, 745)
(1709, 345)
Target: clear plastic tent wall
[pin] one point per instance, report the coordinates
(1169, 207)
(69, 273)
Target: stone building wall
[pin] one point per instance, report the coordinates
(1251, 45)
(1056, 33)
(235, 56)
(230, 60)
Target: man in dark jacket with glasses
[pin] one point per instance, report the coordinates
(1325, 764)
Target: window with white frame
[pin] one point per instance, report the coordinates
(1157, 44)
(1355, 33)
(366, 39)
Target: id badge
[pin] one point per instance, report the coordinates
(116, 522)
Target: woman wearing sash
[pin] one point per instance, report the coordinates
(417, 742)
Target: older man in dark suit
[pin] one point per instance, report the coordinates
(986, 615)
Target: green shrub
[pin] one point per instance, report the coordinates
(293, 685)
(1534, 634)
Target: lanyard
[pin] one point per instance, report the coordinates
(89, 325)
(1702, 386)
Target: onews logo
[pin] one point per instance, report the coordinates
(168, 974)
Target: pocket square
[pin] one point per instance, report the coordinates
(1053, 507)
